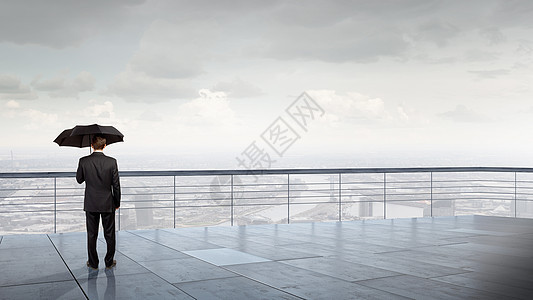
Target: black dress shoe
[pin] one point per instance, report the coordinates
(112, 265)
(88, 265)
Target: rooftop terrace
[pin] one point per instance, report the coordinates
(438, 258)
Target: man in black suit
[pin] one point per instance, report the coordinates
(102, 198)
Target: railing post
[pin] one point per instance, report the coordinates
(55, 204)
(174, 201)
(231, 200)
(340, 197)
(431, 193)
(384, 195)
(118, 219)
(515, 200)
(288, 198)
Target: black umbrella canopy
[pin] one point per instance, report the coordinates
(80, 136)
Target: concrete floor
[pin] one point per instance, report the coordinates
(427, 258)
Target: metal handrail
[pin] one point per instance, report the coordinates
(392, 191)
(277, 172)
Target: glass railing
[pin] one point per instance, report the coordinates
(43, 202)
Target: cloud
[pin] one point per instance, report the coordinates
(12, 104)
(101, 111)
(352, 107)
(60, 86)
(525, 48)
(170, 56)
(238, 88)
(9, 84)
(490, 74)
(168, 50)
(346, 41)
(464, 114)
(28, 118)
(139, 87)
(60, 24)
(211, 109)
(438, 32)
(477, 55)
(38, 119)
(150, 116)
(12, 88)
(493, 35)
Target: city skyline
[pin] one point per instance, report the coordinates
(397, 80)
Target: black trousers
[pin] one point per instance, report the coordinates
(108, 223)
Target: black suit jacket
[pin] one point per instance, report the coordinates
(102, 183)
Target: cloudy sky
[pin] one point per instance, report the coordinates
(205, 76)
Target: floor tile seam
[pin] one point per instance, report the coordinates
(277, 245)
(114, 275)
(301, 268)
(33, 259)
(381, 268)
(422, 252)
(482, 252)
(68, 268)
(374, 267)
(259, 253)
(258, 281)
(459, 273)
(460, 255)
(169, 232)
(173, 234)
(149, 271)
(203, 280)
(163, 230)
(135, 261)
(510, 271)
(30, 248)
(520, 243)
(190, 257)
(195, 258)
(379, 277)
(283, 245)
(33, 283)
(514, 247)
(391, 268)
(284, 260)
(394, 251)
(431, 279)
(506, 296)
(488, 281)
(214, 232)
(361, 282)
(378, 268)
(439, 264)
(161, 244)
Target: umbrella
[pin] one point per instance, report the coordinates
(80, 136)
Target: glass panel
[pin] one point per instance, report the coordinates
(319, 212)
(362, 210)
(524, 209)
(69, 221)
(28, 222)
(261, 214)
(145, 218)
(407, 209)
(203, 216)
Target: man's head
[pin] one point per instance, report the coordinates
(98, 142)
